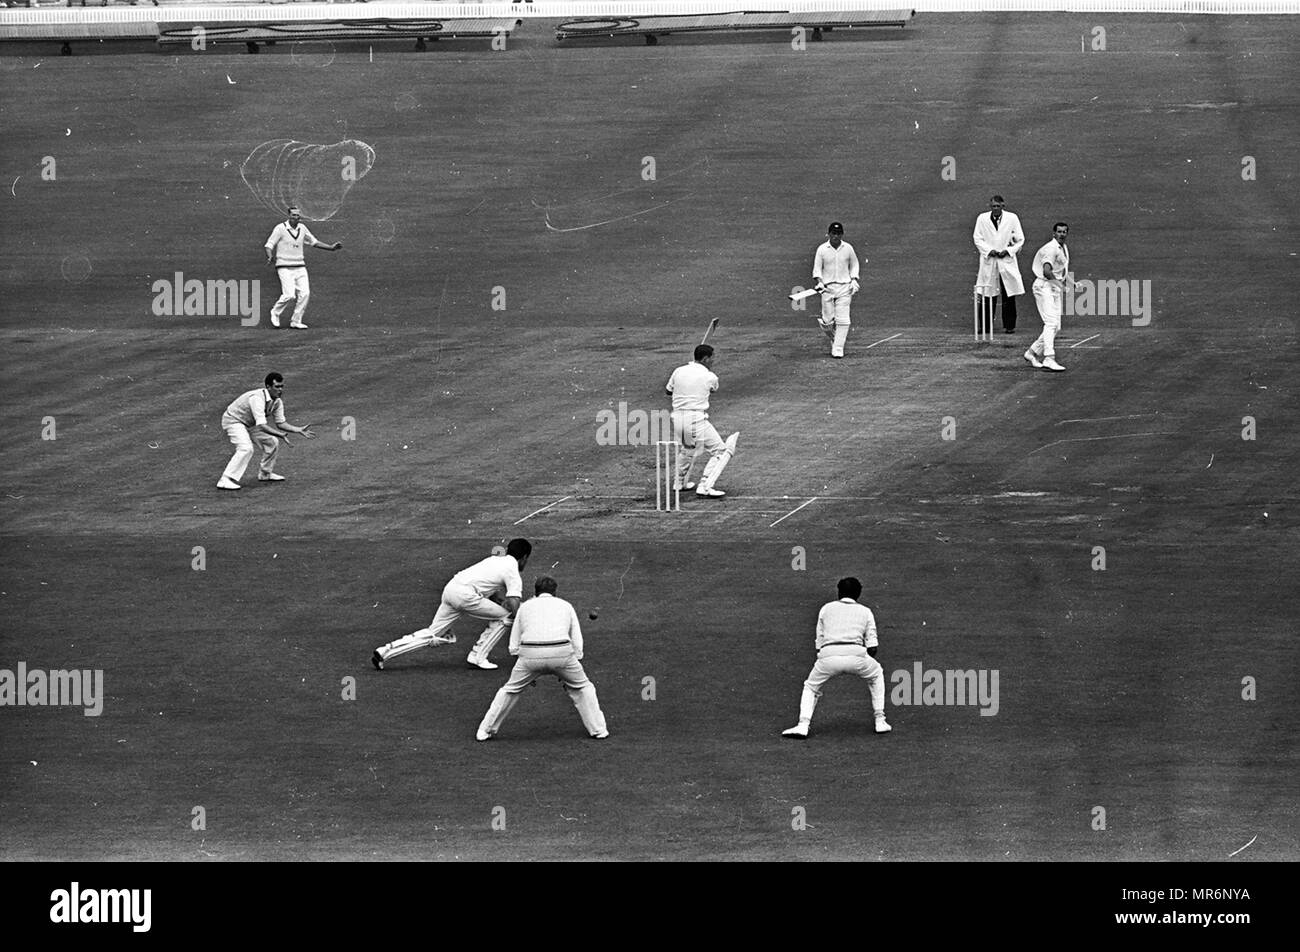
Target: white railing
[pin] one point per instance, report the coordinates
(579, 8)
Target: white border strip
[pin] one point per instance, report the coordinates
(216, 12)
(543, 509)
(793, 511)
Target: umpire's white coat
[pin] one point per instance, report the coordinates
(1007, 236)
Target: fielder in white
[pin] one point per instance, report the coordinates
(846, 644)
(284, 252)
(257, 417)
(547, 640)
(835, 275)
(489, 589)
(1051, 272)
(997, 239)
(690, 386)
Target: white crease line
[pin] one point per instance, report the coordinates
(608, 221)
(1085, 340)
(1090, 439)
(1100, 419)
(543, 509)
(869, 346)
(1252, 840)
(793, 511)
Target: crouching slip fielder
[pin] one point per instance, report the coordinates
(548, 640)
(690, 386)
(258, 417)
(473, 591)
(846, 644)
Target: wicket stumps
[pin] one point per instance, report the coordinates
(667, 455)
(985, 309)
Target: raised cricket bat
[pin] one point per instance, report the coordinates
(805, 293)
(713, 325)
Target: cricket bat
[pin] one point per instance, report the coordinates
(713, 325)
(805, 293)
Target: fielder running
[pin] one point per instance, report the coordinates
(474, 591)
(284, 253)
(690, 386)
(1051, 271)
(835, 275)
(846, 644)
(548, 640)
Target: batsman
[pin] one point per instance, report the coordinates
(689, 387)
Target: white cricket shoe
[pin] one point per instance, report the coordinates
(678, 487)
(275, 321)
(1049, 363)
(709, 493)
(481, 734)
(270, 478)
(882, 726)
(1033, 360)
(799, 730)
(601, 736)
(299, 327)
(475, 661)
(224, 483)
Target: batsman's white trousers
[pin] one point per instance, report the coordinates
(842, 659)
(457, 600)
(243, 438)
(698, 437)
(293, 283)
(527, 670)
(835, 310)
(1048, 297)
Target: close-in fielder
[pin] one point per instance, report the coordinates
(1051, 272)
(690, 386)
(258, 417)
(835, 275)
(284, 253)
(489, 589)
(547, 639)
(846, 644)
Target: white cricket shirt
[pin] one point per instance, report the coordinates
(690, 385)
(496, 573)
(253, 408)
(834, 266)
(286, 245)
(844, 625)
(546, 626)
(1058, 255)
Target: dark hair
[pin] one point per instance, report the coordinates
(1058, 224)
(273, 377)
(850, 588)
(545, 584)
(703, 352)
(999, 198)
(519, 548)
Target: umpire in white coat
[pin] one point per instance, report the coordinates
(997, 239)
(547, 639)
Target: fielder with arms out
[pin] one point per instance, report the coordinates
(846, 644)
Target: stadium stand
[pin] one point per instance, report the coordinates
(254, 33)
(652, 27)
